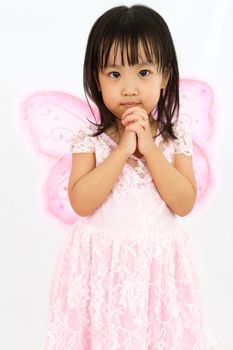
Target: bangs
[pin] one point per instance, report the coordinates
(132, 51)
(132, 36)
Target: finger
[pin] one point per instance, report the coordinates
(139, 121)
(142, 114)
(131, 118)
(136, 113)
(134, 117)
(134, 125)
(133, 110)
(138, 130)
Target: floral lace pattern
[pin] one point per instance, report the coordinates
(125, 278)
(184, 142)
(81, 140)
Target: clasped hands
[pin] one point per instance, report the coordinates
(136, 119)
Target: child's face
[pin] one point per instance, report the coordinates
(125, 86)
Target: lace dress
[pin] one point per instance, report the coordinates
(125, 277)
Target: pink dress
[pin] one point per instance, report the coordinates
(125, 277)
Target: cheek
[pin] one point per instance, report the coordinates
(151, 99)
(108, 98)
(152, 95)
(109, 93)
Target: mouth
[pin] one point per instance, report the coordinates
(130, 104)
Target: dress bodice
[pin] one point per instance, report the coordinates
(134, 202)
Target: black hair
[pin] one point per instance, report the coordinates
(126, 27)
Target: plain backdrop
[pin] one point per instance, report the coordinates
(42, 48)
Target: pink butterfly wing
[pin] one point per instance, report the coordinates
(197, 110)
(48, 120)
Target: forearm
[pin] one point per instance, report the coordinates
(175, 189)
(92, 189)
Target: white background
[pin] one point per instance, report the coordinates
(42, 47)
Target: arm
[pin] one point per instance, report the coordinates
(89, 185)
(176, 184)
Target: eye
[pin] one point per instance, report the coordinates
(144, 72)
(114, 74)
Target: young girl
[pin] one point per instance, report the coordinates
(125, 277)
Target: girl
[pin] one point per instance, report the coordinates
(125, 277)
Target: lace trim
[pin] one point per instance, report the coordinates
(184, 142)
(81, 141)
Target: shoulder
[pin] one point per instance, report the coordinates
(183, 143)
(180, 127)
(183, 152)
(85, 128)
(82, 139)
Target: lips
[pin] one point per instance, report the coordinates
(130, 104)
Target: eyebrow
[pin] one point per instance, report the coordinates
(145, 63)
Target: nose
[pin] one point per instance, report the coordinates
(129, 91)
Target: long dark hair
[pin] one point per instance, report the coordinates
(126, 27)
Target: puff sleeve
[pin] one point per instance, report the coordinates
(81, 141)
(184, 142)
